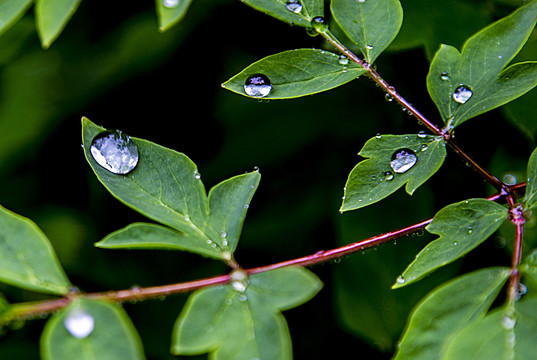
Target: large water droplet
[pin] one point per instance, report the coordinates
(79, 323)
(257, 85)
(115, 151)
(170, 3)
(462, 94)
(294, 6)
(403, 160)
(320, 24)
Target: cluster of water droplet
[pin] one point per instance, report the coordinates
(239, 282)
(115, 151)
(257, 85)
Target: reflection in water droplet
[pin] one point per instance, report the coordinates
(444, 76)
(403, 160)
(388, 97)
(462, 94)
(79, 323)
(343, 60)
(294, 6)
(257, 85)
(509, 179)
(378, 136)
(115, 151)
(388, 175)
(320, 24)
(170, 3)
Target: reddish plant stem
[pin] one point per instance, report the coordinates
(516, 215)
(373, 74)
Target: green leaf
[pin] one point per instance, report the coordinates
(166, 187)
(530, 199)
(296, 73)
(372, 25)
(11, 11)
(27, 259)
(462, 226)
(278, 9)
(234, 324)
(503, 334)
(446, 310)
(374, 178)
(51, 18)
(89, 330)
(170, 12)
(529, 266)
(480, 67)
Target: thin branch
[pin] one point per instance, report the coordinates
(516, 215)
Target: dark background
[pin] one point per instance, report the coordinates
(113, 66)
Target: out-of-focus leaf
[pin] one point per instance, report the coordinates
(243, 320)
(387, 168)
(530, 198)
(170, 12)
(288, 10)
(462, 226)
(296, 73)
(474, 81)
(89, 330)
(372, 25)
(504, 334)
(27, 259)
(11, 11)
(51, 18)
(446, 310)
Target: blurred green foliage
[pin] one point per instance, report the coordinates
(112, 65)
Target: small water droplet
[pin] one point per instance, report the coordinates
(378, 136)
(445, 76)
(257, 85)
(360, 1)
(246, 206)
(223, 235)
(369, 47)
(500, 57)
(197, 175)
(455, 243)
(226, 255)
(294, 6)
(170, 3)
(115, 151)
(403, 160)
(422, 134)
(388, 97)
(343, 60)
(401, 280)
(508, 322)
(470, 230)
(239, 280)
(243, 297)
(388, 175)
(256, 169)
(509, 179)
(522, 289)
(79, 323)
(320, 24)
(462, 94)
(424, 147)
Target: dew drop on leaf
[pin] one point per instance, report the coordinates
(79, 323)
(294, 6)
(360, 1)
(369, 46)
(424, 147)
(320, 24)
(239, 280)
(170, 3)
(257, 85)
(462, 94)
(444, 76)
(403, 160)
(388, 175)
(401, 280)
(422, 134)
(343, 60)
(115, 151)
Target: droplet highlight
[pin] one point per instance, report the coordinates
(444, 76)
(403, 160)
(462, 94)
(170, 3)
(257, 85)
(115, 151)
(320, 24)
(388, 175)
(294, 6)
(239, 280)
(79, 323)
(343, 60)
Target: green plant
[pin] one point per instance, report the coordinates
(238, 315)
